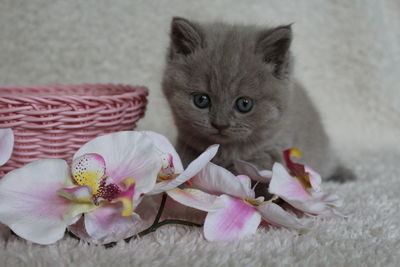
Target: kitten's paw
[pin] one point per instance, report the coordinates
(342, 175)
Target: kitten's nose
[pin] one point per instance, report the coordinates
(220, 127)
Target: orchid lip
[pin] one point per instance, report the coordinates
(297, 170)
(90, 170)
(106, 191)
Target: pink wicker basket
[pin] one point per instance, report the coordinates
(54, 121)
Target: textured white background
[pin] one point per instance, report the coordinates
(347, 55)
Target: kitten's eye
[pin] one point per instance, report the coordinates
(244, 104)
(201, 100)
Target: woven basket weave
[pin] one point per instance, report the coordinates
(55, 121)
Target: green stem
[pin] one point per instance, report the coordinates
(174, 221)
(156, 220)
(160, 209)
(156, 224)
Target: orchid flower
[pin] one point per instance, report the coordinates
(6, 148)
(6, 145)
(110, 175)
(301, 187)
(233, 210)
(172, 173)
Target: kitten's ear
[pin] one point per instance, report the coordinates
(186, 37)
(274, 45)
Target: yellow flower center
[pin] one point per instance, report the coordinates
(89, 178)
(167, 177)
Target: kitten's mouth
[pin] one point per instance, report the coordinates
(226, 137)
(220, 133)
(221, 136)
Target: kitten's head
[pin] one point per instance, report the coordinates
(227, 83)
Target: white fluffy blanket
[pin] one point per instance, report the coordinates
(347, 55)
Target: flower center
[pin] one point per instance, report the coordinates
(259, 201)
(107, 191)
(167, 171)
(89, 172)
(167, 177)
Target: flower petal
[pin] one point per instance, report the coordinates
(315, 178)
(216, 180)
(106, 224)
(251, 170)
(295, 169)
(6, 145)
(235, 221)
(194, 168)
(285, 186)
(128, 154)
(196, 199)
(323, 205)
(126, 197)
(310, 207)
(332, 213)
(79, 194)
(165, 147)
(246, 184)
(275, 215)
(30, 204)
(89, 170)
(331, 199)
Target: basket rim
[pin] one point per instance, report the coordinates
(127, 90)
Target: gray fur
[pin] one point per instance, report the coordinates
(230, 61)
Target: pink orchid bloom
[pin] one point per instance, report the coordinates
(110, 173)
(172, 173)
(6, 149)
(233, 210)
(301, 187)
(6, 145)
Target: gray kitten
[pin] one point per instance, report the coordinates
(232, 85)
